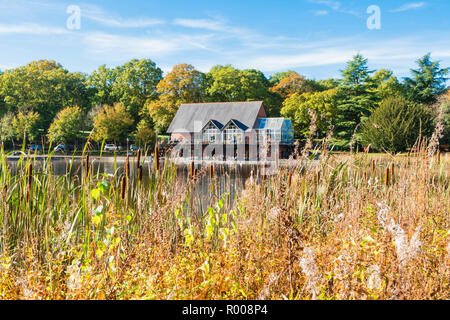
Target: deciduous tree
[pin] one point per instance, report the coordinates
(184, 84)
(112, 123)
(66, 125)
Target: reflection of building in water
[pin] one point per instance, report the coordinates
(236, 130)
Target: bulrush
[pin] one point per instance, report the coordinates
(373, 167)
(138, 162)
(127, 167)
(211, 171)
(386, 177)
(392, 173)
(156, 157)
(192, 169)
(86, 165)
(123, 187)
(140, 173)
(290, 179)
(29, 180)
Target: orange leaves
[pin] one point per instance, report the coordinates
(294, 83)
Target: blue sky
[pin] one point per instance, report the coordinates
(312, 37)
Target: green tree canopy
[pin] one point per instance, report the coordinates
(26, 126)
(184, 84)
(135, 84)
(112, 124)
(101, 82)
(323, 103)
(356, 99)
(396, 125)
(428, 80)
(44, 87)
(227, 84)
(66, 125)
(6, 128)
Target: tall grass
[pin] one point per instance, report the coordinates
(340, 228)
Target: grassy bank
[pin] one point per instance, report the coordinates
(353, 227)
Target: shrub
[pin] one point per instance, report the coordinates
(396, 125)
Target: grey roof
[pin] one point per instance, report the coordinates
(188, 114)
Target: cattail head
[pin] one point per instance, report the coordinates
(123, 187)
(138, 158)
(156, 157)
(30, 174)
(140, 173)
(392, 173)
(386, 177)
(211, 171)
(86, 165)
(290, 179)
(127, 166)
(192, 169)
(373, 166)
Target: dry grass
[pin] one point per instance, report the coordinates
(338, 230)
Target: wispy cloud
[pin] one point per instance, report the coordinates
(119, 47)
(207, 24)
(31, 29)
(96, 14)
(320, 12)
(410, 6)
(335, 6)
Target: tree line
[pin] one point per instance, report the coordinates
(43, 100)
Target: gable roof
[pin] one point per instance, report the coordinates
(237, 123)
(223, 112)
(216, 123)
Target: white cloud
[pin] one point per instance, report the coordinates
(320, 12)
(410, 6)
(207, 24)
(117, 47)
(95, 13)
(335, 6)
(31, 29)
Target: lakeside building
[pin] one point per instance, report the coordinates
(230, 130)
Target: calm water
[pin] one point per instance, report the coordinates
(229, 178)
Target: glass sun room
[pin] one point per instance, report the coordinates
(275, 130)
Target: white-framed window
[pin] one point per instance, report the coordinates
(211, 134)
(232, 134)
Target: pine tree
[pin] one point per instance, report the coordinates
(428, 80)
